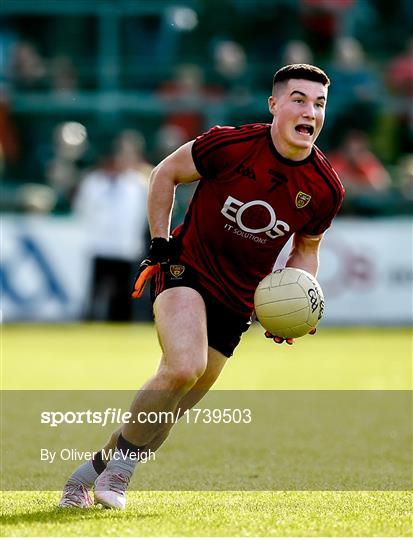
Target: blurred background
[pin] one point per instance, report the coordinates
(94, 93)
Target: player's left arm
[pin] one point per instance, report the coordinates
(305, 252)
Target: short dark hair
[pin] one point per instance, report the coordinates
(301, 71)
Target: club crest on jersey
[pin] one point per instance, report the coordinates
(177, 270)
(302, 199)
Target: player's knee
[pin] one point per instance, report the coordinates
(185, 376)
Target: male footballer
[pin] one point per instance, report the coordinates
(259, 184)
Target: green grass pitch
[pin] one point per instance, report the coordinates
(122, 357)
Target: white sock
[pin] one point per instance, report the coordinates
(122, 463)
(85, 474)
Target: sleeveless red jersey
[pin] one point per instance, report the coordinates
(248, 203)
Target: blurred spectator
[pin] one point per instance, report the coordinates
(405, 183)
(8, 40)
(297, 52)
(131, 150)
(63, 75)
(359, 169)
(188, 94)
(9, 142)
(186, 91)
(400, 82)
(27, 68)
(351, 71)
(231, 70)
(230, 59)
(168, 138)
(63, 170)
(323, 19)
(400, 72)
(355, 89)
(112, 202)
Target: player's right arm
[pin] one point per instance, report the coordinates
(202, 157)
(177, 168)
(205, 156)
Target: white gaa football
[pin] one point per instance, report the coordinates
(289, 302)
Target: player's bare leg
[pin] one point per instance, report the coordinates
(182, 330)
(76, 494)
(181, 323)
(215, 364)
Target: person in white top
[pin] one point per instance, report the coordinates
(111, 201)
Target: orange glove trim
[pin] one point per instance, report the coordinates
(143, 278)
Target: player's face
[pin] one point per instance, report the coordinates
(298, 107)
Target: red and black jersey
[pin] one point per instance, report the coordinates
(248, 203)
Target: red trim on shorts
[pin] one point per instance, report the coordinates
(162, 281)
(157, 283)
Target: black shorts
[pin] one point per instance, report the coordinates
(224, 327)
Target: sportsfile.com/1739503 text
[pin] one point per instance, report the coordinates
(117, 416)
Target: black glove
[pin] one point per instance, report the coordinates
(160, 253)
